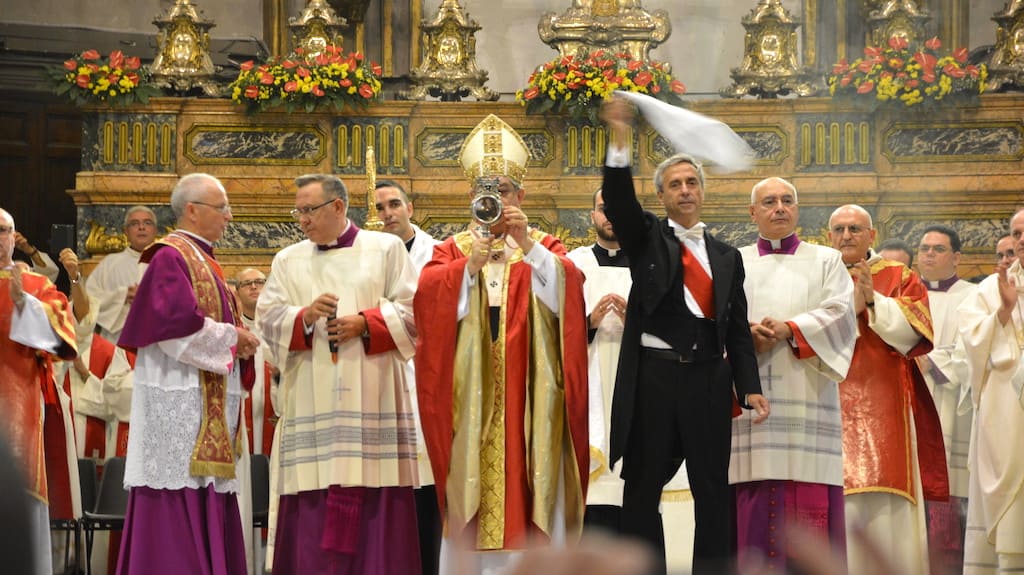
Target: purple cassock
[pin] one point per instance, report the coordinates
(175, 531)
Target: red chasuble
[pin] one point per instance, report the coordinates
(881, 391)
(23, 373)
(445, 376)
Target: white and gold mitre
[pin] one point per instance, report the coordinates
(493, 149)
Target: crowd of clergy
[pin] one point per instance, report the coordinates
(474, 405)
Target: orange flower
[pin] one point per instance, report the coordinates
(840, 67)
(302, 72)
(677, 87)
(643, 79)
(366, 91)
(246, 66)
(531, 93)
(898, 43)
(291, 86)
(70, 65)
(960, 55)
(252, 92)
(132, 63)
(318, 91)
(90, 55)
(933, 44)
(865, 87)
(82, 80)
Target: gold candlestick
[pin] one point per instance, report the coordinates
(373, 221)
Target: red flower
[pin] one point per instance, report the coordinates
(972, 70)
(933, 44)
(926, 61)
(366, 91)
(318, 91)
(888, 74)
(560, 76)
(116, 59)
(132, 63)
(633, 65)
(133, 78)
(82, 80)
(866, 66)
(896, 63)
(655, 89)
(289, 64)
(953, 71)
(677, 86)
(873, 52)
(898, 43)
(302, 72)
(866, 87)
(609, 75)
(531, 93)
(70, 65)
(377, 70)
(252, 92)
(90, 55)
(246, 66)
(928, 77)
(291, 86)
(840, 67)
(322, 59)
(266, 79)
(960, 55)
(912, 83)
(643, 78)
(345, 82)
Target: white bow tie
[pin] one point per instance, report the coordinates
(696, 233)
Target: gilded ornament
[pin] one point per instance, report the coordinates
(897, 18)
(183, 62)
(1006, 67)
(620, 26)
(316, 27)
(448, 70)
(770, 64)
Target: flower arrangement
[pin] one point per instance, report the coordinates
(578, 84)
(89, 78)
(902, 74)
(300, 83)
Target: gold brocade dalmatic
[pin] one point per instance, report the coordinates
(214, 451)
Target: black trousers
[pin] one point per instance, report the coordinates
(682, 414)
(428, 523)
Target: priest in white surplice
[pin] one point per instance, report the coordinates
(800, 297)
(336, 313)
(992, 327)
(605, 290)
(395, 210)
(115, 279)
(945, 372)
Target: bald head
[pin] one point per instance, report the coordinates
(851, 232)
(6, 238)
(249, 284)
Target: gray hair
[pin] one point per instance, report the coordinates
(332, 185)
(659, 172)
(188, 189)
(773, 179)
(855, 208)
(140, 208)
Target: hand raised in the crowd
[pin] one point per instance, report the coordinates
(344, 328)
(69, 259)
(16, 289)
(516, 227)
(618, 115)
(23, 245)
(863, 286)
(325, 305)
(1008, 295)
(478, 256)
(764, 338)
(247, 344)
(610, 303)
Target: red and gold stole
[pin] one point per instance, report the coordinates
(214, 453)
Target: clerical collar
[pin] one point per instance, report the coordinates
(610, 257)
(205, 244)
(408, 244)
(345, 240)
(786, 245)
(942, 285)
